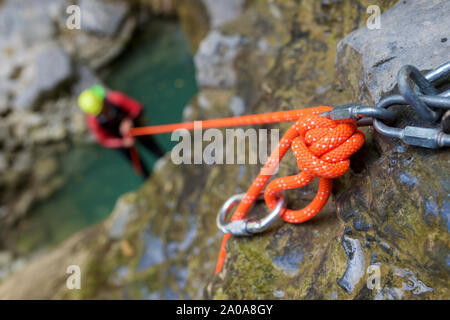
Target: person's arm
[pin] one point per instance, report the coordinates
(132, 107)
(102, 136)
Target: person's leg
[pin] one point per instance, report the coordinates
(150, 143)
(127, 154)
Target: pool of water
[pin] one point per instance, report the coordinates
(157, 69)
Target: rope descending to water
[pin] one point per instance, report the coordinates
(273, 117)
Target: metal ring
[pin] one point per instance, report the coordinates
(374, 112)
(386, 130)
(245, 227)
(439, 101)
(221, 217)
(439, 74)
(408, 77)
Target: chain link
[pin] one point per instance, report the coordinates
(416, 90)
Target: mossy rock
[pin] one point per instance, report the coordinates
(390, 211)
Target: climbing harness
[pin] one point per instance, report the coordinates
(322, 140)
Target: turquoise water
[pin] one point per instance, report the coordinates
(157, 69)
(159, 73)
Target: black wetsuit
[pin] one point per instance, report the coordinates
(111, 119)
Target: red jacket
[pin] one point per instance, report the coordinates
(131, 107)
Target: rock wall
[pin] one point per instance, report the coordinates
(391, 210)
(198, 17)
(44, 66)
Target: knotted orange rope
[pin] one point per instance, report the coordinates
(322, 148)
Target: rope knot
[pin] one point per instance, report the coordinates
(322, 147)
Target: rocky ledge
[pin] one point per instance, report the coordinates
(44, 65)
(390, 211)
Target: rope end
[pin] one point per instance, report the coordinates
(222, 253)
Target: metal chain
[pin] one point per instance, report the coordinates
(416, 90)
(419, 92)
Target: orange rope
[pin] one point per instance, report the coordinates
(322, 148)
(280, 116)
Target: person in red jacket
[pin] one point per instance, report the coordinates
(110, 115)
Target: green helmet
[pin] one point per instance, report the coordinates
(91, 100)
(99, 91)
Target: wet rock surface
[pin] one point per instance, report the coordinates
(391, 211)
(399, 212)
(405, 27)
